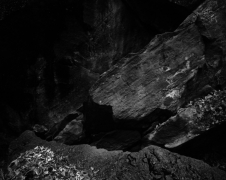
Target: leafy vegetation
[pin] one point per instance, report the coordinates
(42, 163)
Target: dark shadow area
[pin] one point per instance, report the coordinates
(98, 118)
(157, 15)
(104, 131)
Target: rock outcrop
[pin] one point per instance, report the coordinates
(171, 70)
(150, 163)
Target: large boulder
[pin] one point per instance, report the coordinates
(29, 160)
(174, 68)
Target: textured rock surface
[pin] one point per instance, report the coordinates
(197, 117)
(151, 80)
(150, 163)
(172, 69)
